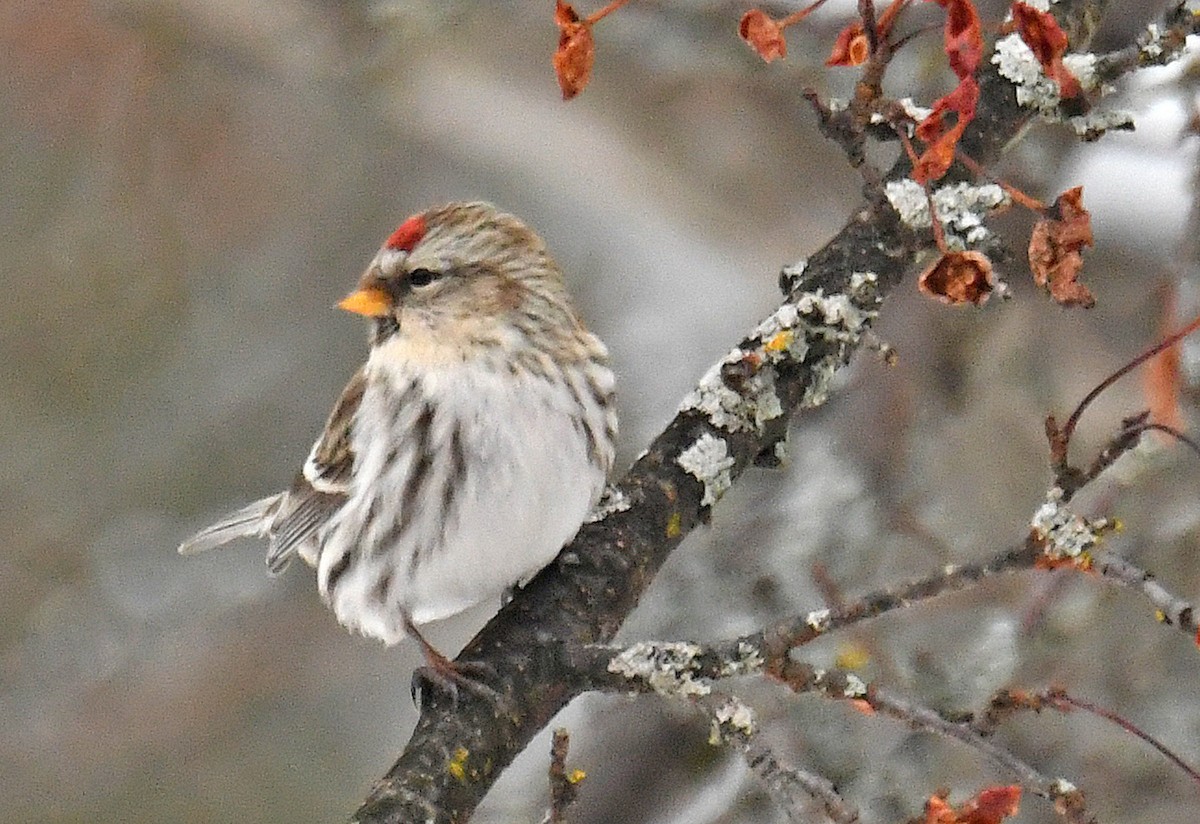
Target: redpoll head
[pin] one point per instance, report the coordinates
(465, 276)
(469, 447)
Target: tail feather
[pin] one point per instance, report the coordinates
(253, 519)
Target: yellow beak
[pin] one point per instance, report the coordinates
(371, 301)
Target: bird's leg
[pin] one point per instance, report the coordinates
(442, 673)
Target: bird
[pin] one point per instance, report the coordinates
(466, 451)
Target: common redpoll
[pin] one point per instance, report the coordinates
(467, 450)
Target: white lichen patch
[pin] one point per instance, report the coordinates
(791, 274)
(1015, 61)
(916, 112)
(1040, 5)
(1094, 124)
(1152, 46)
(708, 461)
(748, 408)
(749, 661)
(1064, 787)
(818, 620)
(734, 716)
(665, 667)
(855, 686)
(910, 108)
(612, 500)
(738, 393)
(863, 284)
(842, 320)
(781, 451)
(1083, 66)
(908, 199)
(961, 208)
(1067, 534)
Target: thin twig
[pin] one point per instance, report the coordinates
(564, 785)
(1068, 428)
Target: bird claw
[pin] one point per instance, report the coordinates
(448, 677)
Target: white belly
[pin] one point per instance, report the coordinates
(502, 478)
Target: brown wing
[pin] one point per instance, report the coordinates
(324, 483)
(330, 463)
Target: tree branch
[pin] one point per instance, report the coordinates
(739, 411)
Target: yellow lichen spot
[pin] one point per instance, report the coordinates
(1160, 616)
(674, 524)
(458, 764)
(1084, 561)
(780, 341)
(853, 656)
(575, 776)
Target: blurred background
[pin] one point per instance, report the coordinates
(186, 188)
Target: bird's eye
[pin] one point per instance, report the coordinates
(422, 277)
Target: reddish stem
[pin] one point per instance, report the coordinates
(1062, 698)
(1069, 427)
(797, 16)
(1030, 203)
(605, 12)
(939, 235)
(1173, 432)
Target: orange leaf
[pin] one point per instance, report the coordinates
(1055, 246)
(1162, 380)
(576, 51)
(959, 277)
(938, 811)
(938, 155)
(763, 34)
(991, 806)
(851, 47)
(1048, 42)
(941, 142)
(963, 36)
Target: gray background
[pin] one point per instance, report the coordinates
(187, 187)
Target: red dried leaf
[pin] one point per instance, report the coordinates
(991, 806)
(851, 47)
(938, 810)
(940, 141)
(1055, 249)
(963, 36)
(938, 155)
(576, 50)
(959, 277)
(1048, 41)
(764, 35)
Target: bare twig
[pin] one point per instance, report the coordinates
(1060, 697)
(1169, 609)
(1061, 439)
(795, 790)
(1007, 703)
(564, 784)
(845, 685)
